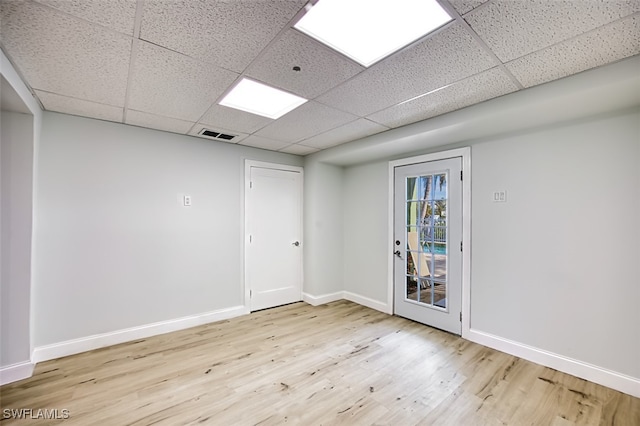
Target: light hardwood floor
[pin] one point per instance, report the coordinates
(339, 363)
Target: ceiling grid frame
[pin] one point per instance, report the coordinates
(134, 53)
(453, 12)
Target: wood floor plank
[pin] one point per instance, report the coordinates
(340, 363)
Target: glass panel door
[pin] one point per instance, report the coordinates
(428, 223)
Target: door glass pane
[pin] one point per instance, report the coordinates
(439, 234)
(440, 266)
(414, 209)
(412, 288)
(424, 264)
(439, 187)
(426, 214)
(411, 268)
(412, 189)
(426, 261)
(440, 210)
(425, 291)
(424, 187)
(439, 295)
(412, 238)
(427, 234)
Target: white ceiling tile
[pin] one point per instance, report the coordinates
(516, 28)
(226, 33)
(173, 85)
(448, 56)
(239, 137)
(73, 106)
(305, 121)
(349, 132)
(232, 118)
(115, 14)
(143, 119)
(299, 150)
(264, 143)
(602, 46)
(61, 54)
(320, 68)
(464, 6)
(481, 87)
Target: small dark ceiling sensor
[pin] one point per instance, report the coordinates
(297, 68)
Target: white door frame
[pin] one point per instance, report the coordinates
(465, 153)
(245, 242)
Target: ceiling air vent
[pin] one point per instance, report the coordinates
(212, 134)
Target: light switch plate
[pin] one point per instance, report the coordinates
(186, 200)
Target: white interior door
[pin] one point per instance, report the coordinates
(428, 243)
(274, 236)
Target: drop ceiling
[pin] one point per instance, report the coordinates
(165, 64)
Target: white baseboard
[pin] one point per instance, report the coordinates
(97, 341)
(14, 372)
(592, 373)
(347, 295)
(365, 301)
(322, 299)
(602, 376)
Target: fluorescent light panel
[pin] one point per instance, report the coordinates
(370, 30)
(260, 99)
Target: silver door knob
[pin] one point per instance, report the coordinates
(297, 243)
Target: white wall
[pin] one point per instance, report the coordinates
(16, 140)
(555, 267)
(115, 248)
(366, 251)
(323, 231)
(19, 141)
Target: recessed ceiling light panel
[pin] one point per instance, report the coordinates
(370, 30)
(258, 98)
